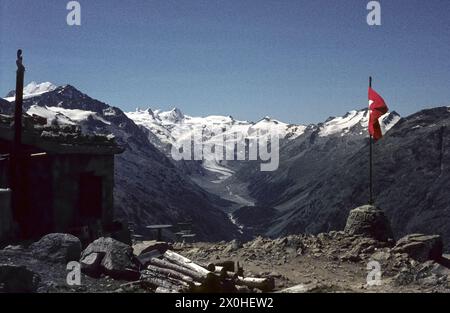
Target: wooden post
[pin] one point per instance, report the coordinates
(17, 184)
(18, 103)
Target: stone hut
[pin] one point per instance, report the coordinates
(63, 182)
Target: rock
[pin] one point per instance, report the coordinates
(420, 247)
(404, 277)
(57, 247)
(14, 248)
(91, 264)
(17, 279)
(232, 246)
(281, 241)
(368, 221)
(156, 245)
(145, 258)
(118, 259)
(149, 245)
(352, 255)
(323, 237)
(256, 243)
(433, 280)
(431, 273)
(381, 256)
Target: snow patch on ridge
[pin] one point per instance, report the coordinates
(343, 124)
(34, 89)
(64, 116)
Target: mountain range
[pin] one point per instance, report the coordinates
(149, 188)
(322, 174)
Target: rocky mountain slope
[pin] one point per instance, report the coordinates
(149, 188)
(323, 169)
(169, 128)
(324, 174)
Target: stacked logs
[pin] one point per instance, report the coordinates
(174, 273)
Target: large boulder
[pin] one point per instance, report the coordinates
(91, 264)
(57, 247)
(420, 247)
(110, 257)
(17, 279)
(368, 221)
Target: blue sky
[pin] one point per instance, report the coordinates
(297, 61)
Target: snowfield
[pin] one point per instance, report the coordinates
(343, 124)
(173, 127)
(63, 116)
(34, 89)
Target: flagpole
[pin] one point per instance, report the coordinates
(370, 156)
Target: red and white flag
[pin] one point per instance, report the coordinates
(377, 108)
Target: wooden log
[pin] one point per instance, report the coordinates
(170, 283)
(210, 282)
(132, 286)
(221, 271)
(232, 275)
(183, 261)
(183, 270)
(264, 284)
(229, 265)
(170, 273)
(164, 290)
(209, 266)
(162, 282)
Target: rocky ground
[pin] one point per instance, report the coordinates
(361, 258)
(25, 272)
(331, 262)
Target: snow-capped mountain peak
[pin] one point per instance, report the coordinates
(356, 118)
(268, 119)
(32, 89)
(175, 115)
(147, 111)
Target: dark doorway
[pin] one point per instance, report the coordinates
(91, 196)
